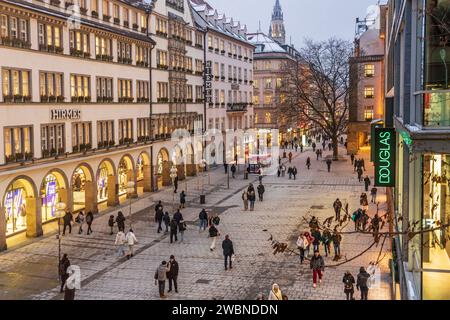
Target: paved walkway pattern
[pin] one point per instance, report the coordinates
(30, 272)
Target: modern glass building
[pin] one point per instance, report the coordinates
(418, 106)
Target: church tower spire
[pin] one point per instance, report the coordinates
(277, 30)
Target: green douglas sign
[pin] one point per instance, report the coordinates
(385, 148)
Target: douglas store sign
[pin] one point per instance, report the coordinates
(65, 114)
(385, 148)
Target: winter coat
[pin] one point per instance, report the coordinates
(80, 218)
(161, 272)
(173, 226)
(252, 195)
(317, 237)
(367, 181)
(120, 238)
(131, 238)
(348, 281)
(183, 197)
(182, 226)
(111, 221)
(336, 238)
(261, 189)
(302, 242)
(213, 232)
(68, 218)
(159, 216)
(89, 218)
(326, 237)
(337, 205)
(166, 219)
(120, 220)
(178, 216)
(317, 263)
(227, 246)
(203, 215)
(64, 264)
(373, 191)
(362, 280)
(294, 171)
(173, 272)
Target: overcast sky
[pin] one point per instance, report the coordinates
(317, 19)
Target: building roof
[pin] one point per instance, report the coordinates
(264, 43)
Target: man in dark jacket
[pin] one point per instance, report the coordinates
(362, 283)
(173, 230)
(178, 216)
(159, 215)
(367, 183)
(294, 172)
(172, 275)
(360, 173)
(228, 251)
(166, 219)
(352, 157)
(64, 264)
(329, 162)
(337, 205)
(68, 218)
(89, 221)
(348, 281)
(261, 191)
(315, 233)
(203, 217)
(233, 171)
(317, 265)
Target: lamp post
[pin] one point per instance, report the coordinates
(173, 176)
(130, 191)
(59, 213)
(202, 165)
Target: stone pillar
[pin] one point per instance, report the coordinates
(181, 172)
(113, 195)
(166, 173)
(191, 170)
(131, 176)
(90, 196)
(34, 218)
(3, 245)
(147, 179)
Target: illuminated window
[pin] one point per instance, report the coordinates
(268, 83)
(268, 117)
(268, 99)
(368, 113)
(279, 83)
(369, 92)
(369, 70)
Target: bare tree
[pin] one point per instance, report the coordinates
(317, 86)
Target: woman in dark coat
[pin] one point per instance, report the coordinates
(349, 282)
(63, 265)
(120, 220)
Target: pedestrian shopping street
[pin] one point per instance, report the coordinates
(30, 271)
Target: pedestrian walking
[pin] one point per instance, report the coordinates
(172, 275)
(233, 171)
(245, 199)
(352, 157)
(356, 165)
(349, 282)
(330, 146)
(360, 173)
(317, 154)
(64, 264)
(326, 241)
(89, 221)
(364, 220)
(261, 191)
(228, 252)
(317, 239)
(67, 219)
(120, 220)
(251, 197)
(275, 293)
(80, 220)
(337, 205)
(308, 162)
(309, 240)
(323, 144)
(367, 183)
(111, 224)
(362, 283)
(329, 164)
(182, 199)
(373, 194)
(290, 157)
(302, 244)
(213, 234)
(260, 177)
(175, 185)
(173, 230)
(166, 219)
(279, 171)
(159, 215)
(296, 147)
(317, 265)
(161, 277)
(362, 164)
(178, 216)
(375, 224)
(70, 286)
(294, 172)
(290, 173)
(336, 238)
(314, 146)
(131, 240)
(203, 218)
(301, 147)
(314, 223)
(120, 243)
(182, 228)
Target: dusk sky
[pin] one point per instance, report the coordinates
(317, 19)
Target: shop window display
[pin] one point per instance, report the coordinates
(102, 183)
(49, 197)
(123, 177)
(15, 210)
(78, 188)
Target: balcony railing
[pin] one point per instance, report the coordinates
(237, 107)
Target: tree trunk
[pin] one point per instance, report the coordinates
(335, 148)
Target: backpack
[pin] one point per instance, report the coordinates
(77, 219)
(212, 232)
(216, 221)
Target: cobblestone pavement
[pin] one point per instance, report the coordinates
(30, 272)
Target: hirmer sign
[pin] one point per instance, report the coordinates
(65, 114)
(385, 154)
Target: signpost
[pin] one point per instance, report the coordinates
(385, 155)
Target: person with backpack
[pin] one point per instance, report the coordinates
(120, 220)
(89, 221)
(261, 191)
(161, 277)
(251, 197)
(159, 215)
(317, 239)
(203, 218)
(349, 282)
(362, 283)
(120, 243)
(173, 230)
(326, 241)
(213, 234)
(64, 264)
(245, 199)
(317, 265)
(111, 224)
(131, 240)
(228, 252)
(68, 218)
(166, 219)
(80, 220)
(302, 244)
(182, 228)
(215, 220)
(337, 205)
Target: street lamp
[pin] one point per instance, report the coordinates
(130, 192)
(202, 166)
(173, 176)
(59, 213)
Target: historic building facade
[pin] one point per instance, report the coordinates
(79, 114)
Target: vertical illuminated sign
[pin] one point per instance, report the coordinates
(385, 148)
